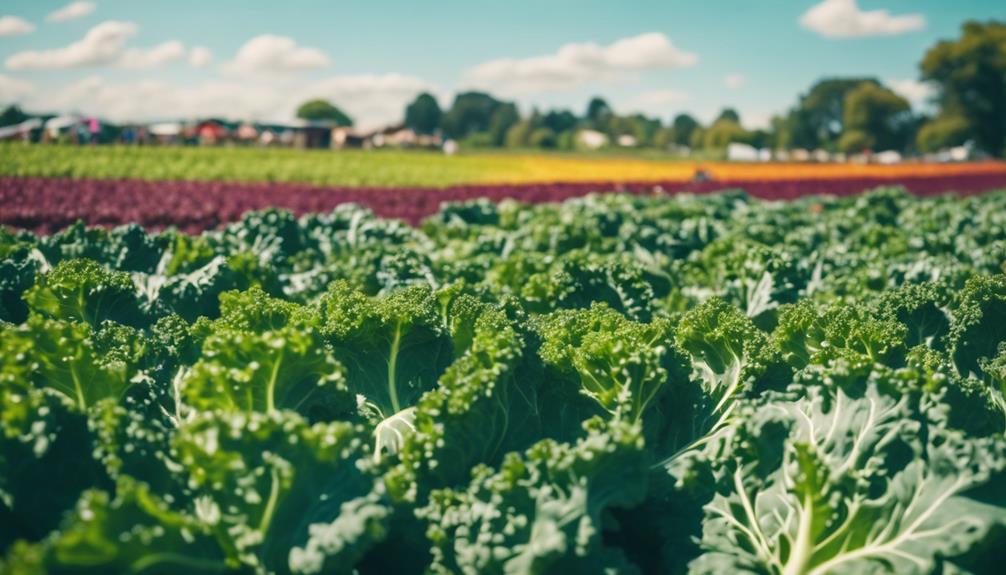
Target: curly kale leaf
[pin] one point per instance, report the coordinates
(812, 334)
(83, 290)
(837, 483)
(280, 489)
(543, 511)
(132, 531)
(394, 347)
(484, 405)
(730, 359)
(979, 323)
(288, 368)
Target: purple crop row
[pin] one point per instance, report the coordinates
(45, 205)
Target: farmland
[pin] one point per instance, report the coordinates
(616, 383)
(359, 168)
(47, 205)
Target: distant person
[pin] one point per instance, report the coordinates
(93, 129)
(701, 175)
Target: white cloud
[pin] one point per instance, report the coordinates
(71, 11)
(734, 81)
(916, 92)
(103, 45)
(844, 19)
(658, 102)
(372, 100)
(200, 57)
(15, 26)
(152, 57)
(270, 54)
(154, 99)
(575, 64)
(13, 89)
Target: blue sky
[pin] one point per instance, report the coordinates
(155, 59)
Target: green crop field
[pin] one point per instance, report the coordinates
(323, 167)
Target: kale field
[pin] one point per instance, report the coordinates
(618, 383)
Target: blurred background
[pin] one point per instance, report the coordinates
(534, 100)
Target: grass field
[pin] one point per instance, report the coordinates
(412, 168)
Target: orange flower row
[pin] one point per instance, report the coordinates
(511, 169)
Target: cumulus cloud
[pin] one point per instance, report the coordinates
(152, 57)
(154, 99)
(372, 100)
(71, 11)
(844, 19)
(200, 57)
(734, 81)
(15, 26)
(916, 92)
(13, 89)
(103, 45)
(578, 63)
(270, 54)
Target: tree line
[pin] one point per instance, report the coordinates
(848, 115)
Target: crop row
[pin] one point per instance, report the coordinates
(361, 168)
(48, 204)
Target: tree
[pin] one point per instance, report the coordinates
(542, 138)
(761, 138)
(884, 117)
(780, 132)
(598, 112)
(644, 129)
(723, 133)
(944, 131)
(683, 126)
(323, 110)
(729, 114)
(423, 115)
(698, 138)
(502, 119)
(970, 74)
(853, 141)
(471, 112)
(519, 134)
(663, 138)
(817, 121)
(12, 115)
(559, 120)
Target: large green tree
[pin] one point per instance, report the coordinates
(724, 132)
(874, 117)
(683, 125)
(323, 110)
(423, 114)
(943, 131)
(502, 119)
(970, 73)
(559, 120)
(598, 113)
(729, 114)
(471, 113)
(12, 115)
(818, 119)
